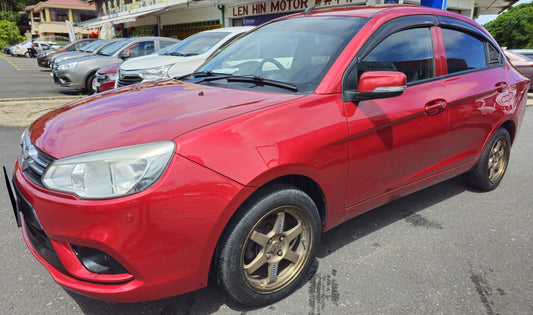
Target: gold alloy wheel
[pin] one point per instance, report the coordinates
(276, 249)
(498, 159)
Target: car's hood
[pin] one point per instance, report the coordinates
(68, 54)
(109, 69)
(76, 56)
(150, 61)
(148, 112)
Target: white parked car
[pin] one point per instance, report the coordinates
(21, 49)
(181, 59)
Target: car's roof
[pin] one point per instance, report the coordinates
(383, 9)
(141, 38)
(235, 29)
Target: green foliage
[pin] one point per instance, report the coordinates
(141, 32)
(9, 34)
(514, 27)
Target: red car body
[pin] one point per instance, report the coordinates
(230, 142)
(103, 80)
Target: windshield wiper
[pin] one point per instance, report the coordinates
(260, 80)
(207, 76)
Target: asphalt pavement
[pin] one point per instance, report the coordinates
(444, 250)
(22, 78)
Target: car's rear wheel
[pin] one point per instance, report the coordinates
(491, 167)
(268, 248)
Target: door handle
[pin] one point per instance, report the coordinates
(501, 87)
(434, 107)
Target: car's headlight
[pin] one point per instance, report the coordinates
(44, 53)
(155, 73)
(111, 76)
(67, 66)
(110, 173)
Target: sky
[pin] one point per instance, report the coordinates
(482, 19)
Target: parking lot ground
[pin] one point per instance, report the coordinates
(23, 78)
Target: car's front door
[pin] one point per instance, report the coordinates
(399, 140)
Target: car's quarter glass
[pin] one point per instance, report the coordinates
(233, 171)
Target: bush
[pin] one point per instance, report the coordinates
(9, 34)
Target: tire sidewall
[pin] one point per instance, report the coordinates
(230, 272)
(89, 83)
(478, 177)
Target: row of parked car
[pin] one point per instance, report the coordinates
(100, 65)
(21, 49)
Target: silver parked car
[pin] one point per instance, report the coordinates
(528, 53)
(522, 63)
(79, 73)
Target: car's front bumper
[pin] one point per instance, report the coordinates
(163, 237)
(69, 78)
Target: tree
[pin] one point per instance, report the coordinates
(9, 34)
(514, 27)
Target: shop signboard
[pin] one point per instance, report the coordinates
(282, 6)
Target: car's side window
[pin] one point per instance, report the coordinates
(141, 48)
(463, 51)
(409, 51)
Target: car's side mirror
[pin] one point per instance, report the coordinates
(379, 84)
(124, 55)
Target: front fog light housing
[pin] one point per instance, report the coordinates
(110, 173)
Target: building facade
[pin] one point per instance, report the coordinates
(48, 18)
(181, 18)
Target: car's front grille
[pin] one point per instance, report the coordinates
(128, 80)
(33, 161)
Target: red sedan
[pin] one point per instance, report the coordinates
(234, 171)
(105, 78)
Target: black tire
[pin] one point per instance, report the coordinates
(268, 246)
(27, 54)
(489, 171)
(89, 84)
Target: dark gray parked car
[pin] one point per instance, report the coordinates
(79, 73)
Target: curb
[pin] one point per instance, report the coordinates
(44, 98)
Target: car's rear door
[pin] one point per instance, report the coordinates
(476, 88)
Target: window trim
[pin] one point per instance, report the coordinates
(437, 22)
(486, 42)
(350, 77)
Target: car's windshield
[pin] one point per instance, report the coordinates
(93, 46)
(296, 51)
(197, 44)
(80, 45)
(162, 51)
(113, 48)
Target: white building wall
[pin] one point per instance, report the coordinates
(191, 15)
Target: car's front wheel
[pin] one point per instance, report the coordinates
(89, 83)
(491, 167)
(269, 246)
